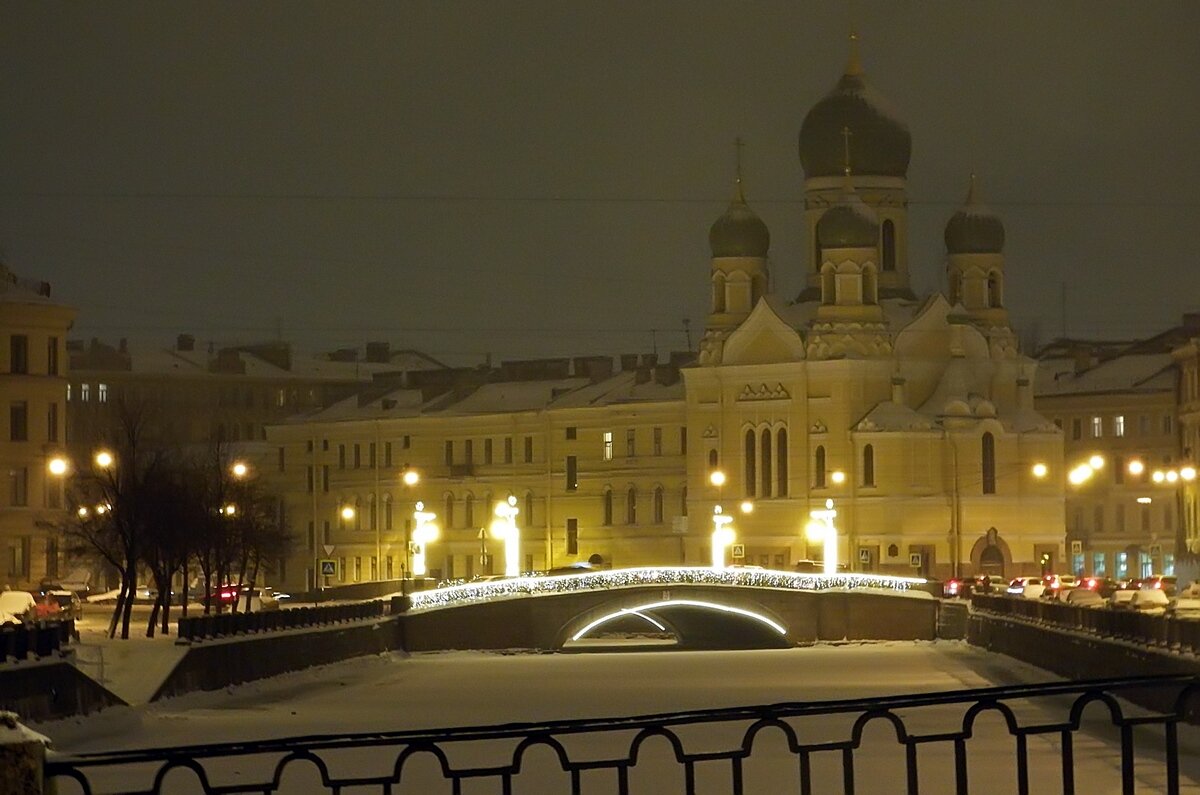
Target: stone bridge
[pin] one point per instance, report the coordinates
(690, 608)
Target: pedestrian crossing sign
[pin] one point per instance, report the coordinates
(329, 568)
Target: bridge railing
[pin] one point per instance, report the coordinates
(1154, 631)
(610, 751)
(222, 625)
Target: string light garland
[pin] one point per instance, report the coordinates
(543, 585)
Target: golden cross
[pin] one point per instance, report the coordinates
(738, 144)
(846, 137)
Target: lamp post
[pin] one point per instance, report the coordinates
(821, 528)
(423, 532)
(505, 528)
(409, 478)
(722, 536)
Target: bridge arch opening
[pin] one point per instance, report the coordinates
(676, 623)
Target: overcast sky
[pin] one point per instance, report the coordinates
(538, 178)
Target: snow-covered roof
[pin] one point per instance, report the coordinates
(889, 416)
(1130, 373)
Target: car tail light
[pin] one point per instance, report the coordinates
(1158, 584)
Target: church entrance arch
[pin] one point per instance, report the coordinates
(991, 555)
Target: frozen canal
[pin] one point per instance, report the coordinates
(395, 692)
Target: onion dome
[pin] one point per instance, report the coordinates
(739, 232)
(848, 224)
(882, 143)
(974, 229)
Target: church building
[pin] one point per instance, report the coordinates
(912, 414)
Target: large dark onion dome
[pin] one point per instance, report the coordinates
(974, 229)
(739, 232)
(848, 224)
(880, 142)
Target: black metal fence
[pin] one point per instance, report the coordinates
(834, 755)
(226, 624)
(1155, 631)
(36, 639)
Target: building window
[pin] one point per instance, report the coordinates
(487, 450)
(712, 461)
(52, 422)
(18, 421)
(1098, 519)
(448, 510)
(1145, 518)
(572, 536)
(765, 455)
(528, 449)
(608, 507)
(372, 513)
(52, 356)
(868, 466)
(683, 502)
(529, 510)
(18, 492)
(781, 469)
(325, 478)
(570, 432)
(18, 352)
(1119, 425)
(387, 454)
(1097, 427)
(631, 506)
(608, 446)
(683, 440)
(449, 453)
(751, 458)
(371, 455)
(1076, 429)
(341, 456)
(989, 464)
(357, 456)
(572, 474)
(658, 441)
(1144, 425)
(508, 450)
(819, 468)
(887, 236)
(85, 392)
(469, 511)
(1119, 469)
(630, 443)
(1167, 425)
(1120, 528)
(280, 454)
(658, 505)
(101, 393)
(309, 478)
(406, 442)
(387, 512)
(469, 451)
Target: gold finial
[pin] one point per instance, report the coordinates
(846, 139)
(854, 64)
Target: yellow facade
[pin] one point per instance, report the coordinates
(33, 385)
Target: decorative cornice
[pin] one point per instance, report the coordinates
(763, 392)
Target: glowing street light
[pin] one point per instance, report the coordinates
(747, 506)
(410, 477)
(821, 528)
(104, 459)
(1159, 476)
(1081, 474)
(1188, 473)
(717, 478)
(1144, 500)
(424, 531)
(239, 469)
(838, 477)
(722, 536)
(505, 528)
(1096, 462)
(1136, 467)
(230, 509)
(347, 512)
(1040, 470)
(57, 466)
(82, 513)
(1172, 476)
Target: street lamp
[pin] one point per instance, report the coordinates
(410, 478)
(505, 528)
(821, 528)
(239, 469)
(722, 536)
(424, 532)
(104, 459)
(57, 466)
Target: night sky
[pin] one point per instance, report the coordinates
(538, 178)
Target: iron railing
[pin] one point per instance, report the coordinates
(222, 625)
(35, 639)
(575, 750)
(1153, 631)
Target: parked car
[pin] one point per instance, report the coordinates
(956, 587)
(61, 604)
(1100, 584)
(1019, 585)
(248, 600)
(142, 593)
(990, 583)
(1058, 582)
(17, 607)
(1121, 599)
(1184, 607)
(1159, 582)
(1150, 600)
(1082, 597)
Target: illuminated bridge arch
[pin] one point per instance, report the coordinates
(692, 623)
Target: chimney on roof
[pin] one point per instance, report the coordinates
(649, 359)
(378, 352)
(1083, 358)
(641, 375)
(185, 342)
(629, 361)
(344, 355)
(666, 374)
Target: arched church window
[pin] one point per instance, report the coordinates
(781, 469)
(469, 511)
(819, 468)
(989, 463)
(887, 237)
(658, 505)
(608, 507)
(712, 460)
(683, 502)
(529, 509)
(631, 506)
(751, 460)
(766, 463)
(448, 511)
(868, 465)
(994, 297)
(718, 296)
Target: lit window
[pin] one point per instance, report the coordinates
(68, 393)
(85, 392)
(1097, 427)
(608, 445)
(1119, 425)
(101, 393)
